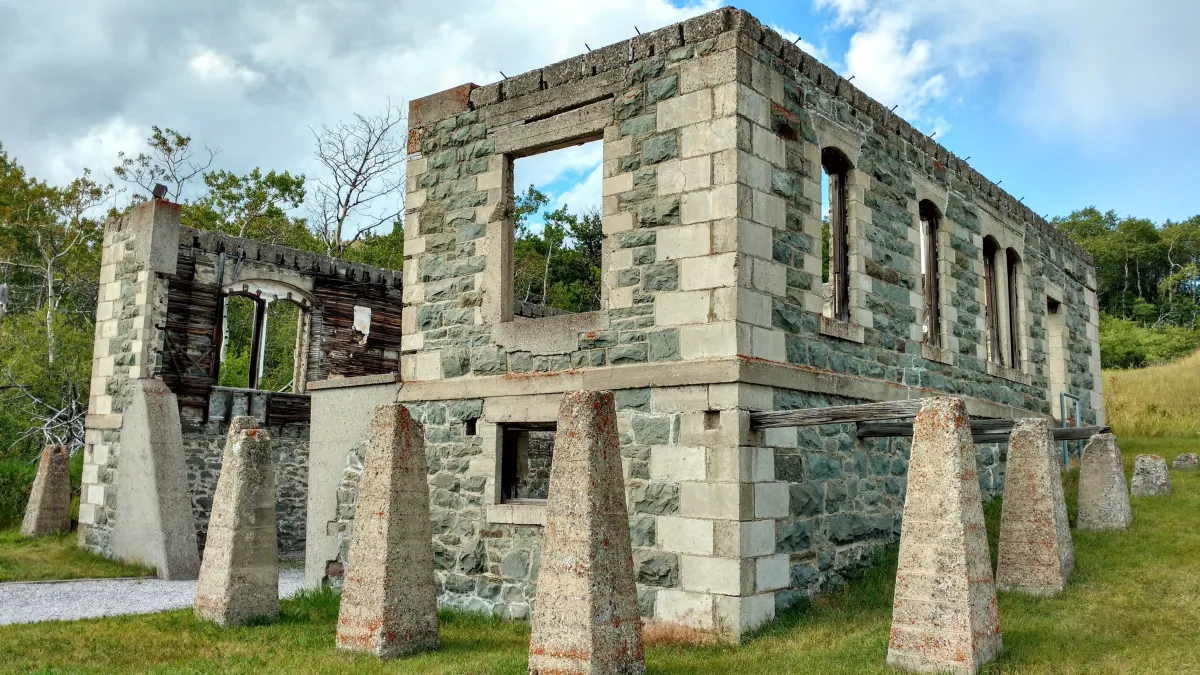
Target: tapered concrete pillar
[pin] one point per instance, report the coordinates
(586, 617)
(154, 523)
(1150, 477)
(1036, 555)
(944, 615)
(1103, 496)
(239, 576)
(389, 599)
(49, 508)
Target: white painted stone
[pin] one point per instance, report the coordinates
(694, 610)
(677, 463)
(683, 175)
(770, 500)
(684, 535)
(745, 612)
(772, 572)
(757, 538)
(711, 271)
(684, 110)
(617, 222)
(707, 341)
(768, 209)
(617, 184)
(769, 276)
(720, 501)
(707, 138)
(684, 241)
(710, 575)
(754, 308)
(768, 145)
(682, 307)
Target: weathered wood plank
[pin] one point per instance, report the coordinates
(866, 412)
(983, 431)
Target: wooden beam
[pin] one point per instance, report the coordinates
(983, 431)
(866, 412)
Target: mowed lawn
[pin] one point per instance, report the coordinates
(1133, 606)
(55, 557)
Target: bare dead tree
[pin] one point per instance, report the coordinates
(364, 183)
(172, 161)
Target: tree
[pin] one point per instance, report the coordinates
(172, 161)
(363, 185)
(559, 266)
(246, 201)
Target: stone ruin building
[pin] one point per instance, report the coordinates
(717, 136)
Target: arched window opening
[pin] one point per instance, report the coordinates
(240, 340)
(284, 328)
(1013, 261)
(990, 250)
(835, 233)
(263, 342)
(930, 274)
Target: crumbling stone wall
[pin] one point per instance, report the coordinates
(159, 317)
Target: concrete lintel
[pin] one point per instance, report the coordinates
(359, 381)
(677, 374)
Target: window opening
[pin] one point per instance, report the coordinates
(990, 249)
(528, 452)
(262, 343)
(240, 337)
(557, 237)
(1014, 345)
(930, 273)
(283, 340)
(835, 271)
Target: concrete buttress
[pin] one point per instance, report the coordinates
(586, 619)
(389, 599)
(944, 616)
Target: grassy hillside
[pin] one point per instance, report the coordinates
(1156, 401)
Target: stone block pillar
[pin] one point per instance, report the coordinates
(586, 617)
(239, 576)
(49, 508)
(156, 526)
(389, 599)
(944, 615)
(1150, 477)
(1103, 497)
(1036, 554)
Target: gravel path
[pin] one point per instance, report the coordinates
(67, 600)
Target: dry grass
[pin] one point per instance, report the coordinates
(1156, 401)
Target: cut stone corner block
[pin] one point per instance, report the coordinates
(154, 524)
(1103, 496)
(1036, 554)
(944, 616)
(389, 596)
(1150, 477)
(239, 576)
(586, 619)
(1188, 461)
(49, 508)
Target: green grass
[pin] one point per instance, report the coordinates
(55, 557)
(1133, 606)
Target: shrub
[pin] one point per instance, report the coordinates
(16, 479)
(1128, 344)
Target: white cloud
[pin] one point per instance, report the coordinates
(65, 158)
(1077, 67)
(585, 195)
(209, 66)
(269, 69)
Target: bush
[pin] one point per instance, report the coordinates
(1128, 344)
(16, 479)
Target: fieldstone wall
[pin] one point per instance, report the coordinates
(203, 446)
(712, 306)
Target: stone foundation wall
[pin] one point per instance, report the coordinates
(203, 445)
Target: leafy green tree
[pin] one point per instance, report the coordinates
(172, 161)
(250, 203)
(559, 266)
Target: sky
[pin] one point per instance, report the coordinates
(1070, 103)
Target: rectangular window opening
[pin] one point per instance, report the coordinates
(930, 275)
(526, 458)
(262, 342)
(835, 234)
(557, 236)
